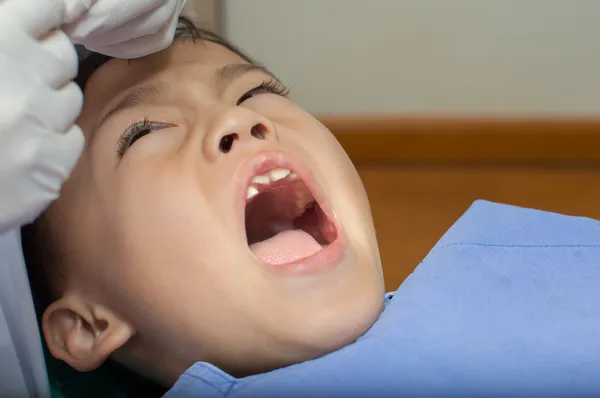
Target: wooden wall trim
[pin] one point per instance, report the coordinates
(468, 139)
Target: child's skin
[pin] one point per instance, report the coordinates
(159, 272)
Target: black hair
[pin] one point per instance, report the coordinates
(46, 264)
(89, 62)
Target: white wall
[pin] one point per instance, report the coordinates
(490, 57)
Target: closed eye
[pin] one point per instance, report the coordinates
(272, 86)
(137, 130)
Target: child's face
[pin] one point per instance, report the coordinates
(157, 241)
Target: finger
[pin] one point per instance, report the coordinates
(57, 110)
(43, 160)
(36, 17)
(62, 151)
(143, 25)
(53, 60)
(61, 59)
(106, 15)
(30, 99)
(140, 46)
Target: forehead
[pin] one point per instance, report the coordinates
(183, 57)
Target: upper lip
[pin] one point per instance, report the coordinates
(267, 160)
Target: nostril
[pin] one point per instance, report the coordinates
(227, 142)
(259, 131)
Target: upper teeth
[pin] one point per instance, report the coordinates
(251, 192)
(278, 174)
(263, 180)
(267, 178)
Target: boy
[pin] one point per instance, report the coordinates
(213, 233)
(209, 218)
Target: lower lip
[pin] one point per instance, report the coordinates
(325, 259)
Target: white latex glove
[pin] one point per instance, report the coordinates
(123, 28)
(39, 144)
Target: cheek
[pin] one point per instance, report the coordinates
(175, 247)
(160, 213)
(342, 182)
(331, 159)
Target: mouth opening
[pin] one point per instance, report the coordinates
(284, 222)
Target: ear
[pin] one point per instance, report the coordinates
(81, 334)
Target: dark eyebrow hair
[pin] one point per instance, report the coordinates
(150, 93)
(146, 94)
(230, 72)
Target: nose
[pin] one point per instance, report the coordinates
(235, 128)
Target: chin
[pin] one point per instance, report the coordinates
(342, 326)
(335, 325)
(327, 335)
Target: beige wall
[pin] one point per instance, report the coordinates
(205, 12)
(427, 56)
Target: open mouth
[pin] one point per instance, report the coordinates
(284, 221)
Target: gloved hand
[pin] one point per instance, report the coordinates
(123, 28)
(39, 144)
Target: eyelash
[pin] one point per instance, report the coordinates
(132, 132)
(270, 87)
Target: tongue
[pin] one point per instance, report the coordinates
(286, 247)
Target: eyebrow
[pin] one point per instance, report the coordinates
(152, 92)
(143, 95)
(231, 72)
